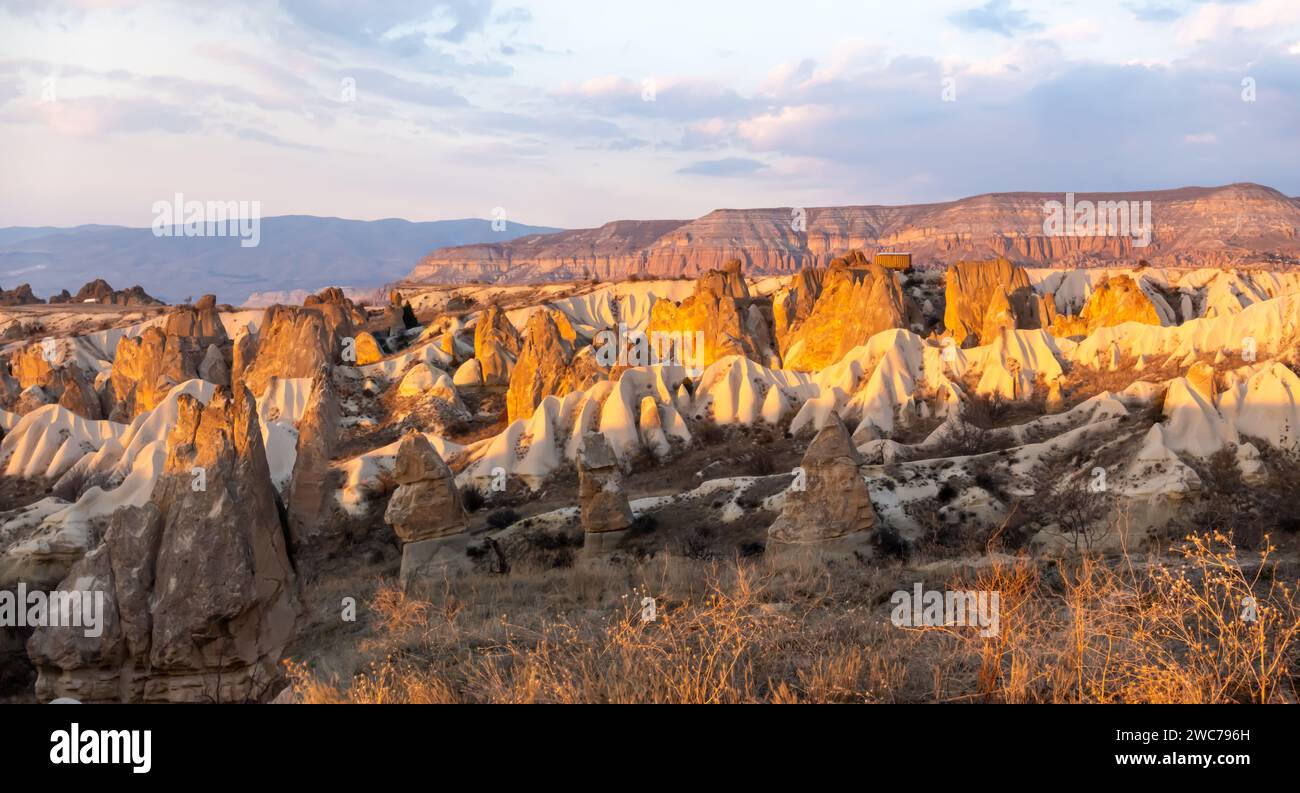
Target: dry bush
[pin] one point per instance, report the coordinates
(1091, 630)
(1154, 633)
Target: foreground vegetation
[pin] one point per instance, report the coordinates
(1200, 624)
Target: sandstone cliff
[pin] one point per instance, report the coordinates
(1212, 226)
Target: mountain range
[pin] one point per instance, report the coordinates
(1191, 226)
(1235, 224)
(295, 252)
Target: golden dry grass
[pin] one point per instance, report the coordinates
(1085, 630)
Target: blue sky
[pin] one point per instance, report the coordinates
(574, 113)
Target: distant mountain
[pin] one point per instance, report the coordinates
(295, 252)
(1191, 226)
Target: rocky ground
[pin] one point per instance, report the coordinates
(464, 493)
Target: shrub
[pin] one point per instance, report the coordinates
(501, 518)
(472, 498)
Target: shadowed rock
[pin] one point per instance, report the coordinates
(542, 368)
(832, 502)
(603, 505)
(310, 491)
(496, 346)
(426, 512)
(199, 596)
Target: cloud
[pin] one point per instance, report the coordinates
(402, 27)
(672, 98)
(1155, 12)
(995, 16)
(727, 166)
(386, 84)
(259, 136)
(95, 116)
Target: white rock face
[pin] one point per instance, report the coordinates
(469, 373)
(420, 379)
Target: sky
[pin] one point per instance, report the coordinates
(574, 113)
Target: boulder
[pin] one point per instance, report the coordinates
(469, 373)
(426, 513)
(213, 366)
(31, 398)
(426, 503)
(417, 381)
(603, 506)
(833, 506)
(367, 349)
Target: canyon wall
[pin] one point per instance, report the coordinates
(1194, 226)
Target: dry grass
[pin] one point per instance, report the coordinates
(1091, 630)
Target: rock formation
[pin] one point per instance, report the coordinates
(98, 291)
(496, 345)
(1116, 300)
(426, 512)
(32, 365)
(542, 368)
(831, 508)
(242, 354)
(76, 393)
(311, 489)
(853, 305)
(718, 315)
(20, 295)
(292, 342)
(367, 349)
(199, 595)
(199, 324)
(146, 367)
(213, 367)
(793, 303)
(603, 506)
(984, 297)
(342, 316)
(1189, 226)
